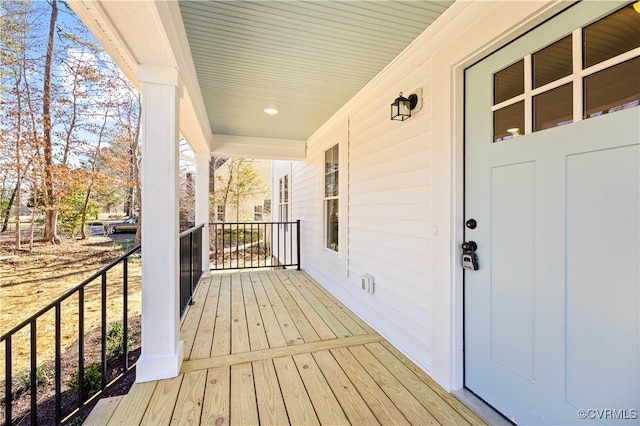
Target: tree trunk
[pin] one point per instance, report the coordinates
(94, 161)
(18, 162)
(83, 218)
(33, 214)
(136, 169)
(51, 216)
(225, 198)
(18, 190)
(51, 198)
(7, 211)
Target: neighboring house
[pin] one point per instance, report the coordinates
(524, 143)
(255, 205)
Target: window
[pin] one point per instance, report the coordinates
(611, 36)
(257, 213)
(283, 199)
(612, 89)
(548, 88)
(331, 193)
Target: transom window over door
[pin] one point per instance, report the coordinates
(331, 201)
(593, 71)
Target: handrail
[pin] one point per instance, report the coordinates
(190, 230)
(70, 292)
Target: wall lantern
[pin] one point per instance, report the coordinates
(401, 107)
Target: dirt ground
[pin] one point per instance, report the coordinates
(30, 281)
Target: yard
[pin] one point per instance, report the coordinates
(30, 281)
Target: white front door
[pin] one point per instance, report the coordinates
(552, 318)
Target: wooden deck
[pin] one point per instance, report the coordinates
(275, 348)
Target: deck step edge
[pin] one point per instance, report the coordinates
(103, 411)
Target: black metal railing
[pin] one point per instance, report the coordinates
(63, 412)
(244, 245)
(190, 264)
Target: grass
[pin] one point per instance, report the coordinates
(29, 282)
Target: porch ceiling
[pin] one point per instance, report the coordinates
(305, 58)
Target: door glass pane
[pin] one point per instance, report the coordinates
(552, 63)
(508, 83)
(508, 122)
(553, 108)
(613, 89)
(611, 36)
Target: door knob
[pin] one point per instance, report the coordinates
(469, 246)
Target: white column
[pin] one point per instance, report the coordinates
(162, 349)
(202, 206)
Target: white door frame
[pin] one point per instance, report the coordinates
(485, 33)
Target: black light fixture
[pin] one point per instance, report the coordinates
(401, 107)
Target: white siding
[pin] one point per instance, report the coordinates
(401, 210)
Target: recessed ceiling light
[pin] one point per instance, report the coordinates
(271, 111)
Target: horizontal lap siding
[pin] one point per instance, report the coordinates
(390, 223)
(388, 219)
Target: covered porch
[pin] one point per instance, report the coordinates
(274, 347)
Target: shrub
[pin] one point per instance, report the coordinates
(92, 380)
(114, 340)
(22, 380)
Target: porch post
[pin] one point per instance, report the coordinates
(202, 206)
(162, 350)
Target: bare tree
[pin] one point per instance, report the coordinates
(241, 181)
(51, 199)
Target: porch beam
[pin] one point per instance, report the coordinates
(254, 147)
(162, 349)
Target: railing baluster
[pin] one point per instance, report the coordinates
(259, 240)
(125, 311)
(192, 271)
(34, 373)
(237, 244)
(222, 244)
(298, 243)
(103, 331)
(81, 345)
(284, 240)
(58, 365)
(7, 382)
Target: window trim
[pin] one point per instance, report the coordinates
(326, 199)
(284, 184)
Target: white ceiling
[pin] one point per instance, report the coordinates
(305, 58)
